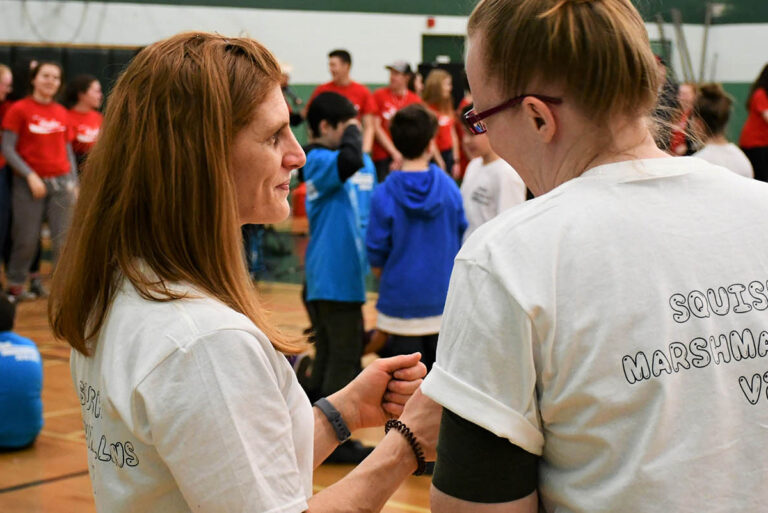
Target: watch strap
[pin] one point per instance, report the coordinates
(334, 417)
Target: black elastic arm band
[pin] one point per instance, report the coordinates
(475, 465)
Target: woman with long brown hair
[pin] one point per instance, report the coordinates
(599, 342)
(36, 144)
(187, 399)
(437, 96)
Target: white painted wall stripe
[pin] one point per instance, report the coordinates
(304, 38)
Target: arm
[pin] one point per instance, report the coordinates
(371, 483)
(478, 471)
(72, 161)
(369, 132)
(17, 163)
(436, 155)
(377, 393)
(765, 115)
(378, 237)
(443, 503)
(383, 139)
(21, 168)
(350, 158)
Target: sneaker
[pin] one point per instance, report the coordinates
(36, 287)
(351, 451)
(17, 294)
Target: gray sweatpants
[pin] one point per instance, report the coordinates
(28, 216)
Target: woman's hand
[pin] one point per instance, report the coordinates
(36, 186)
(422, 416)
(380, 391)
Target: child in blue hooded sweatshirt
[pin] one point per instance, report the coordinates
(415, 230)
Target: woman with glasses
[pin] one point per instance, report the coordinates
(602, 345)
(188, 401)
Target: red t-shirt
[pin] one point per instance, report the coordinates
(445, 123)
(358, 94)
(43, 130)
(755, 131)
(386, 105)
(4, 106)
(678, 135)
(85, 126)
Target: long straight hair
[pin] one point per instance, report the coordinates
(157, 203)
(433, 91)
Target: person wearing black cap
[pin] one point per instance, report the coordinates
(388, 100)
(21, 384)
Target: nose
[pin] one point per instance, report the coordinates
(295, 157)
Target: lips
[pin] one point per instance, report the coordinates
(285, 186)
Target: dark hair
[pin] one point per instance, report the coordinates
(412, 81)
(77, 86)
(40, 64)
(331, 107)
(713, 108)
(760, 83)
(341, 54)
(412, 128)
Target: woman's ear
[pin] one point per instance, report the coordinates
(540, 117)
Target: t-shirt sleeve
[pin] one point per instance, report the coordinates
(369, 104)
(485, 370)
(321, 173)
(14, 119)
(760, 100)
(220, 423)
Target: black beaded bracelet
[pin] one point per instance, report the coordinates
(421, 463)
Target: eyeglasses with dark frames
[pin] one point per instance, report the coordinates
(474, 120)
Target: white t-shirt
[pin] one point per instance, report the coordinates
(188, 407)
(488, 190)
(578, 327)
(729, 156)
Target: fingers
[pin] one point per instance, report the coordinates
(393, 409)
(403, 387)
(391, 365)
(417, 371)
(390, 397)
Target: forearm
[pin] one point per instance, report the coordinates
(372, 482)
(325, 438)
(19, 166)
(72, 161)
(350, 158)
(369, 132)
(383, 139)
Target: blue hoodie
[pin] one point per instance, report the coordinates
(414, 232)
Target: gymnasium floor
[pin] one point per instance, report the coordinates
(52, 475)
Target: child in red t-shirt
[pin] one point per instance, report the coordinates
(437, 95)
(84, 99)
(36, 144)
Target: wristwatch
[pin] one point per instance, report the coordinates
(334, 417)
